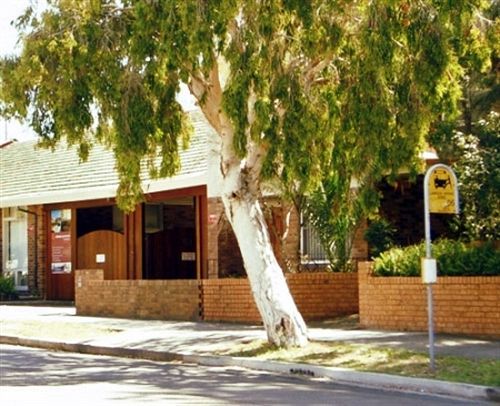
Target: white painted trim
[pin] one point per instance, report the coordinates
(102, 192)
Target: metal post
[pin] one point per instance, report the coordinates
(430, 313)
(428, 254)
(428, 250)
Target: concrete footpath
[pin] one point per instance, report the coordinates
(58, 328)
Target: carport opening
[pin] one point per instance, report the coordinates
(169, 239)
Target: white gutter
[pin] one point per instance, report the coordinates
(102, 192)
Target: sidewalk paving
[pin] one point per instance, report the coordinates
(199, 341)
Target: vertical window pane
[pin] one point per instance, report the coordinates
(15, 246)
(311, 249)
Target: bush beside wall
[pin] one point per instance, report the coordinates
(454, 258)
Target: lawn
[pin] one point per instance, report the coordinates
(369, 358)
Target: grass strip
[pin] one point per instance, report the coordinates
(370, 358)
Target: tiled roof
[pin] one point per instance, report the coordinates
(31, 175)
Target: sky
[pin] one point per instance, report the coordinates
(9, 11)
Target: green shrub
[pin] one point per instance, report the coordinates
(454, 258)
(380, 236)
(7, 286)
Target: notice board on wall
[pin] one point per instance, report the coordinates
(60, 241)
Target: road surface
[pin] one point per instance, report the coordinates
(39, 377)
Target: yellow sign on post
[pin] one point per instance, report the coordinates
(440, 196)
(442, 191)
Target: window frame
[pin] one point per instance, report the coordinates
(309, 238)
(20, 273)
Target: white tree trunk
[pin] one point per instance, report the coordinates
(240, 192)
(283, 322)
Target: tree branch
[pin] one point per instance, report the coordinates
(208, 93)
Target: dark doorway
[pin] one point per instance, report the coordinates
(98, 218)
(169, 232)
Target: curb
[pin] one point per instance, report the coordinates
(338, 375)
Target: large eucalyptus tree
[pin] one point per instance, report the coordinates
(286, 84)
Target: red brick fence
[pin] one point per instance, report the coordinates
(142, 299)
(467, 305)
(318, 296)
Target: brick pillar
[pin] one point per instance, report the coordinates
(215, 211)
(359, 244)
(85, 298)
(364, 270)
(1, 239)
(292, 241)
(36, 251)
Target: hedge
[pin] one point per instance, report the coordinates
(454, 258)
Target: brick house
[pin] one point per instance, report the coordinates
(59, 215)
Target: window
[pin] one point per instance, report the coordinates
(311, 251)
(15, 246)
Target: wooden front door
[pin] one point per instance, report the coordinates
(103, 249)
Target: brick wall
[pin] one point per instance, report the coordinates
(359, 244)
(291, 244)
(214, 211)
(224, 259)
(142, 299)
(317, 295)
(466, 305)
(229, 300)
(230, 261)
(36, 261)
(323, 295)
(1, 240)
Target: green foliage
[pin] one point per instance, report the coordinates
(335, 211)
(7, 286)
(380, 236)
(476, 158)
(331, 91)
(396, 78)
(389, 108)
(471, 141)
(454, 258)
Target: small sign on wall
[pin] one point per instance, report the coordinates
(100, 258)
(188, 256)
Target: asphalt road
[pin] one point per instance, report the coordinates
(34, 376)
